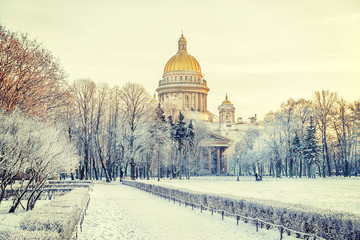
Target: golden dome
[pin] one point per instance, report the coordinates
(182, 60)
(226, 101)
(154, 100)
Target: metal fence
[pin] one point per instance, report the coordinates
(259, 223)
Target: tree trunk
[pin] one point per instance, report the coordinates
(309, 170)
(158, 163)
(132, 168)
(17, 200)
(291, 167)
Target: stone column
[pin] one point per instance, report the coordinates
(218, 160)
(209, 159)
(196, 102)
(204, 102)
(192, 101)
(225, 161)
(199, 102)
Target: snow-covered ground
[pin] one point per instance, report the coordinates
(9, 221)
(121, 212)
(335, 194)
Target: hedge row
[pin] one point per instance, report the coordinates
(56, 220)
(28, 235)
(326, 224)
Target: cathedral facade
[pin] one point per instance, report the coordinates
(183, 88)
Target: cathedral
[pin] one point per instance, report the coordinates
(183, 88)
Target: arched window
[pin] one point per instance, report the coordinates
(175, 78)
(186, 101)
(185, 78)
(180, 78)
(190, 78)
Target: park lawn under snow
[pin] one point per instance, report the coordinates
(120, 212)
(10, 221)
(334, 194)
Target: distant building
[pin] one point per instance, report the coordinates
(183, 88)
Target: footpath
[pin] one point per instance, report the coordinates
(121, 212)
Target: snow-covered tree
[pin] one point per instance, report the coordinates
(160, 138)
(134, 109)
(200, 134)
(180, 139)
(311, 148)
(295, 154)
(324, 103)
(32, 147)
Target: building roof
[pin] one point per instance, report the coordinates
(182, 60)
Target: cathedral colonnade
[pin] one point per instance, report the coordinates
(216, 160)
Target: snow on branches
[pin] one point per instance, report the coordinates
(34, 150)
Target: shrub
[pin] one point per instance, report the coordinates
(61, 215)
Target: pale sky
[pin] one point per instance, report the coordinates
(261, 52)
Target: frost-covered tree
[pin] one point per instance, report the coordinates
(15, 147)
(275, 139)
(198, 138)
(343, 123)
(355, 137)
(287, 118)
(180, 139)
(245, 152)
(324, 103)
(134, 100)
(189, 147)
(160, 138)
(282, 143)
(295, 152)
(32, 147)
(83, 92)
(173, 148)
(311, 148)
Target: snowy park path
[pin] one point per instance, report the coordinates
(121, 212)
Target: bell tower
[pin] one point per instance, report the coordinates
(226, 111)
